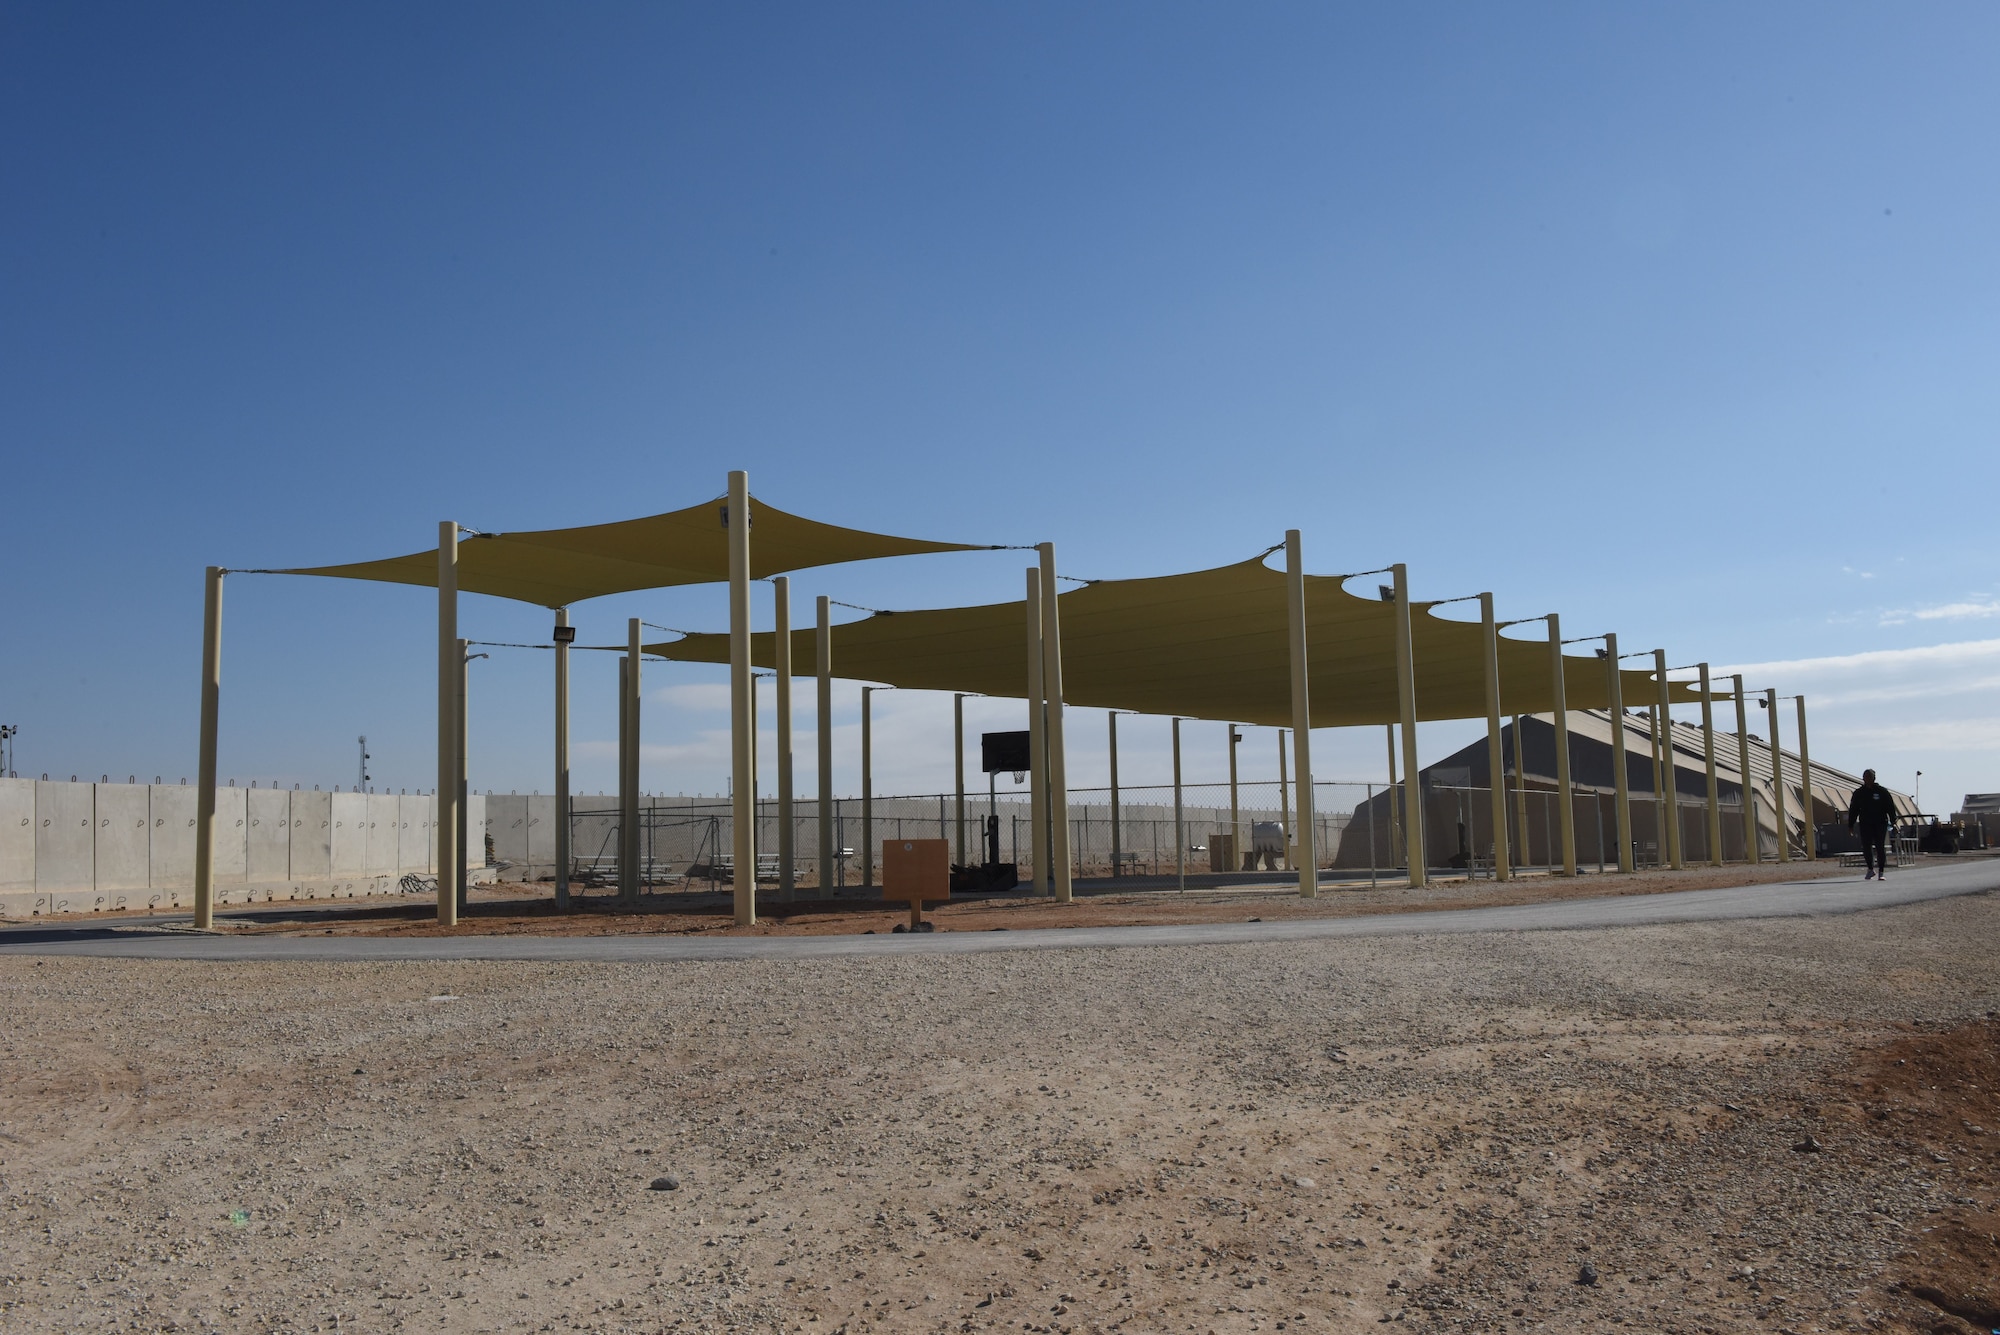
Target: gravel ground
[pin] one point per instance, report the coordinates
(1441, 1132)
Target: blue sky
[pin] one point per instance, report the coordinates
(1681, 320)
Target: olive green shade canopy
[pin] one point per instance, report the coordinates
(1211, 644)
(559, 566)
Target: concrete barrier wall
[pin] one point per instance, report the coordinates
(81, 846)
(64, 849)
(312, 836)
(17, 835)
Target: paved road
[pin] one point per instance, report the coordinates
(1842, 893)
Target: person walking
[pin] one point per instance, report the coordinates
(1871, 813)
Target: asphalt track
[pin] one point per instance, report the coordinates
(1845, 892)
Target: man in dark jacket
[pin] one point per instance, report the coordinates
(1870, 814)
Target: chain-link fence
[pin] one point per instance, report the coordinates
(1358, 829)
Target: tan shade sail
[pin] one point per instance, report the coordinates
(559, 566)
(1211, 644)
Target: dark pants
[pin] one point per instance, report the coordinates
(1874, 850)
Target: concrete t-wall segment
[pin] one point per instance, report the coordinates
(79, 847)
(268, 836)
(174, 811)
(17, 836)
(123, 841)
(312, 836)
(64, 847)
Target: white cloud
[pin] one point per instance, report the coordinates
(1956, 611)
(705, 695)
(1873, 661)
(1932, 707)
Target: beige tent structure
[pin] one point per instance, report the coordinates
(553, 568)
(559, 566)
(1209, 644)
(1242, 643)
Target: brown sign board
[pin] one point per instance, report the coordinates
(916, 869)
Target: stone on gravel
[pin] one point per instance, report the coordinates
(665, 1182)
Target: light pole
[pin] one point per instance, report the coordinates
(362, 787)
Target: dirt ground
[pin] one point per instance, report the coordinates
(1783, 1125)
(510, 908)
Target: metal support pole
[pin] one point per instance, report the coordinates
(1751, 851)
(1806, 849)
(1714, 784)
(563, 850)
(1117, 838)
(1777, 778)
(1180, 826)
(446, 811)
(1308, 852)
(1522, 855)
(464, 711)
(1621, 779)
(627, 801)
(1496, 764)
(1406, 694)
(1038, 753)
(1659, 786)
(635, 840)
(1284, 806)
(1052, 688)
(1675, 854)
(958, 768)
(1565, 794)
(1235, 808)
(823, 740)
(781, 661)
(736, 520)
(1389, 800)
(211, 717)
(868, 787)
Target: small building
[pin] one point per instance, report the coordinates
(1458, 804)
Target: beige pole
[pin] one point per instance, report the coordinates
(781, 660)
(1778, 778)
(1395, 820)
(1714, 784)
(1117, 834)
(211, 716)
(1496, 763)
(625, 799)
(1052, 689)
(1524, 855)
(446, 809)
(1675, 853)
(1180, 826)
(1659, 786)
(1038, 746)
(1559, 716)
(1406, 692)
(868, 787)
(464, 766)
(823, 665)
(1284, 805)
(1235, 807)
(1806, 849)
(958, 767)
(1621, 781)
(1751, 851)
(563, 850)
(635, 838)
(736, 518)
(1308, 854)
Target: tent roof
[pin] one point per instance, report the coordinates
(558, 566)
(1209, 644)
